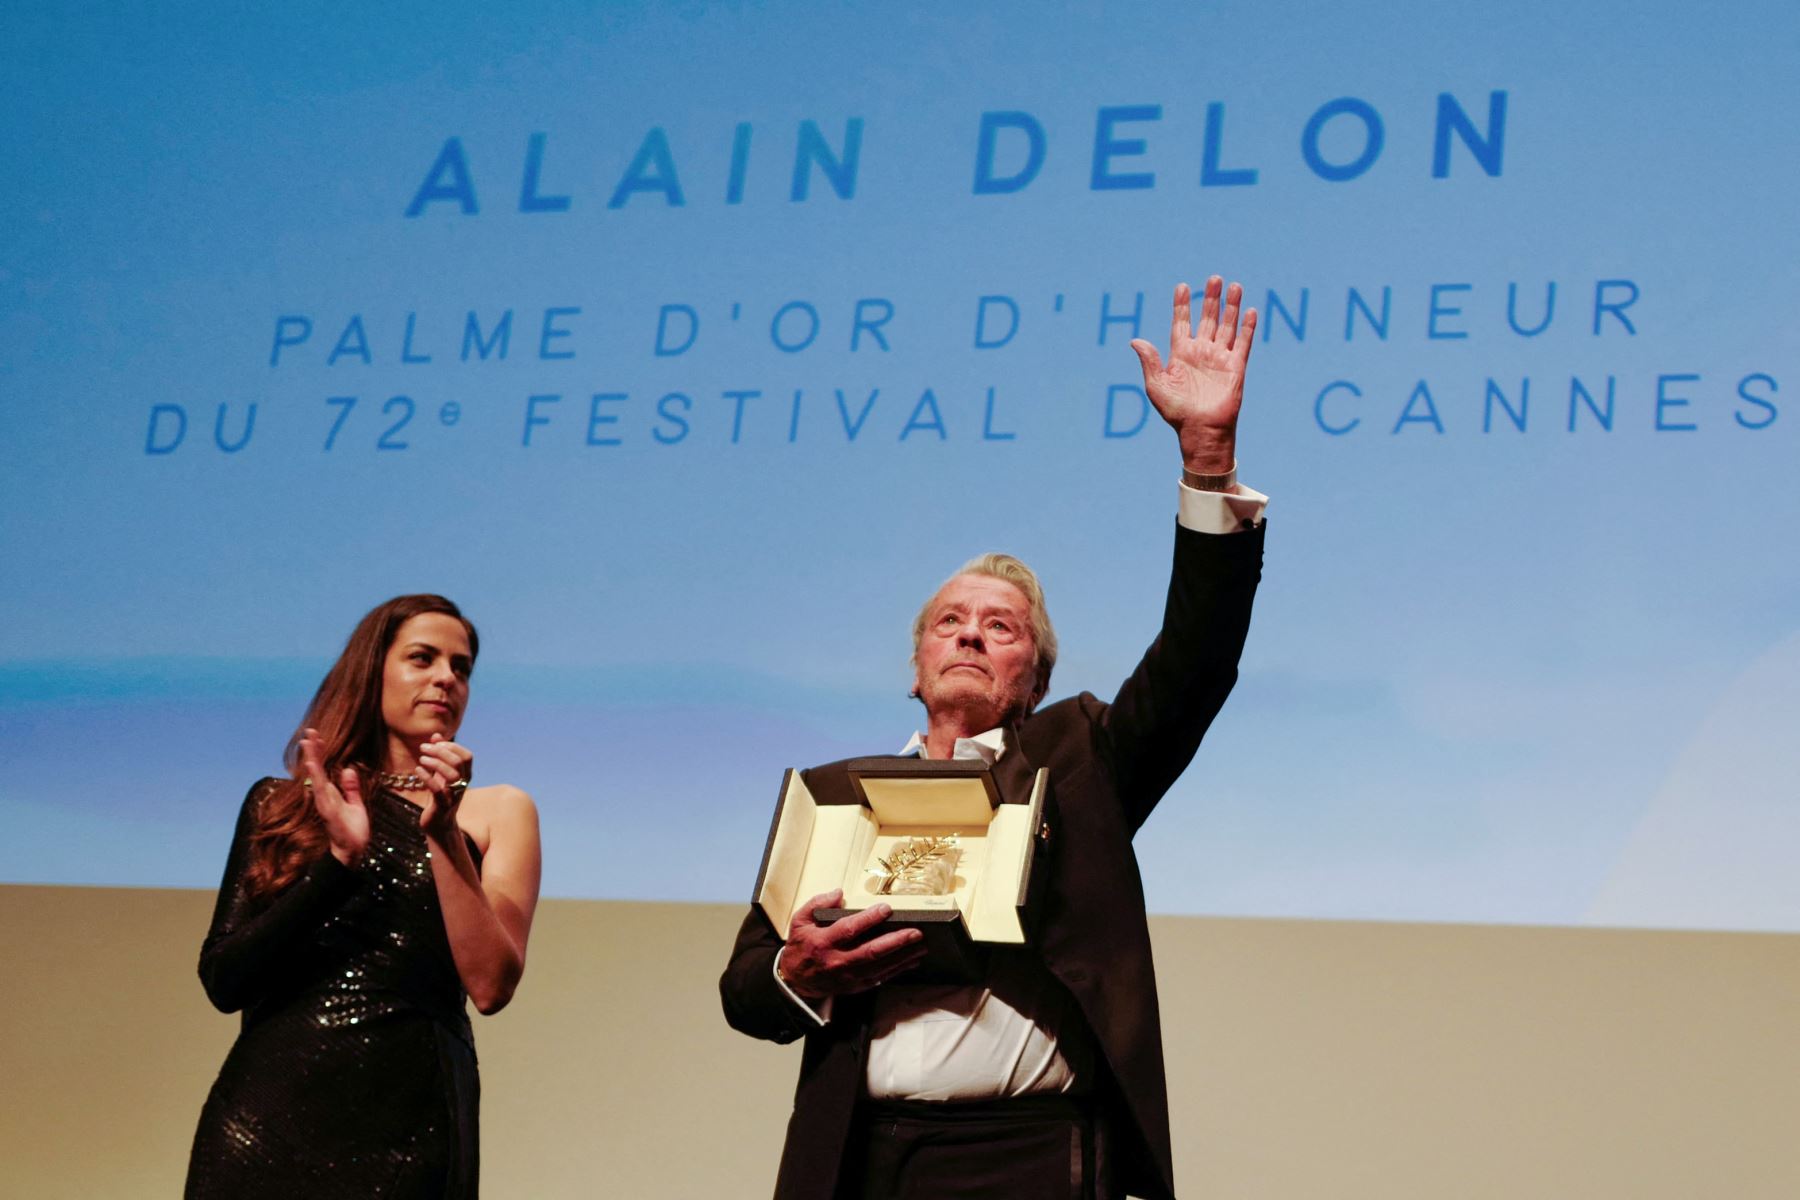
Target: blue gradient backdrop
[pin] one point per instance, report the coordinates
(1497, 674)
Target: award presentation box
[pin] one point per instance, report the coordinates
(835, 839)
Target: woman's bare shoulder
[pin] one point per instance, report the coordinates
(502, 801)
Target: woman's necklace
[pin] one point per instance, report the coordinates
(409, 782)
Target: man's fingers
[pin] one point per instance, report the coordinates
(1148, 356)
(857, 924)
(878, 961)
(1234, 296)
(1209, 309)
(879, 973)
(803, 916)
(1241, 351)
(1181, 323)
(829, 965)
(874, 953)
(902, 965)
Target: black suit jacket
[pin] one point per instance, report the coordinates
(1109, 765)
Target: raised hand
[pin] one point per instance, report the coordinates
(446, 768)
(1201, 387)
(340, 807)
(832, 960)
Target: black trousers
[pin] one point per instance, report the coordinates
(1034, 1148)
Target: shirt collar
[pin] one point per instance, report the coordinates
(988, 747)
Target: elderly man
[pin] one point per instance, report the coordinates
(1045, 1078)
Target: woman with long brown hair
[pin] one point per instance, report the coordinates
(366, 897)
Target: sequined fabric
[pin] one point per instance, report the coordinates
(354, 1071)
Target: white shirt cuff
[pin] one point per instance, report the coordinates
(819, 1016)
(1221, 512)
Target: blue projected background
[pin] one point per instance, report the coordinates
(690, 347)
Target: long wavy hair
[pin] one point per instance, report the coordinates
(346, 712)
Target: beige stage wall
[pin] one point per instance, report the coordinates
(1308, 1060)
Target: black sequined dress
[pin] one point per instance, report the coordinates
(354, 1072)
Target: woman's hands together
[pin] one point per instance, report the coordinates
(446, 767)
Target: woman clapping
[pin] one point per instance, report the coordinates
(364, 899)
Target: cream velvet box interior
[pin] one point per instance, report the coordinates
(820, 843)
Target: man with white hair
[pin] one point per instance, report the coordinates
(1044, 1078)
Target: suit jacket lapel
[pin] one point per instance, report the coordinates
(1014, 772)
